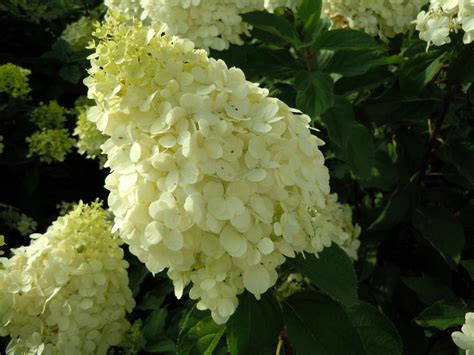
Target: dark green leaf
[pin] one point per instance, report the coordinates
(71, 73)
(318, 325)
(442, 315)
(276, 25)
(461, 69)
(344, 39)
(339, 120)
(469, 266)
(255, 326)
(360, 151)
(428, 289)
(199, 334)
(332, 271)
(154, 325)
(309, 9)
(396, 211)
(161, 346)
(315, 93)
(418, 71)
(353, 62)
(377, 333)
(438, 226)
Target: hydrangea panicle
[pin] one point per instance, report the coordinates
(67, 292)
(383, 18)
(211, 178)
(14, 80)
(50, 145)
(208, 23)
(444, 17)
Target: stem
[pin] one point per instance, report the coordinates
(279, 346)
(435, 132)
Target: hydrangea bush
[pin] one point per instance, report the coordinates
(281, 176)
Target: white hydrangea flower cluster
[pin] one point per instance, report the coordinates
(465, 338)
(211, 177)
(67, 292)
(445, 17)
(383, 18)
(208, 23)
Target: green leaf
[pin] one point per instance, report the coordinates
(154, 325)
(332, 272)
(161, 346)
(353, 62)
(428, 289)
(377, 333)
(255, 326)
(396, 211)
(315, 92)
(461, 155)
(461, 69)
(277, 26)
(360, 151)
(199, 334)
(418, 71)
(442, 315)
(339, 120)
(309, 9)
(71, 73)
(438, 226)
(318, 325)
(344, 39)
(469, 266)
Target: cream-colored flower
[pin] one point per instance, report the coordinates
(465, 338)
(208, 23)
(444, 17)
(384, 18)
(210, 178)
(67, 292)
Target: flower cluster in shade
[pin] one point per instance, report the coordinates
(465, 338)
(51, 142)
(445, 17)
(210, 177)
(67, 292)
(208, 23)
(79, 33)
(50, 115)
(294, 283)
(89, 138)
(14, 219)
(383, 18)
(14, 80)
(50, 145)
(2, 145)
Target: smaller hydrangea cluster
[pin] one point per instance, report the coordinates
(14, 80)
(89, 138)
(2, 145)
(208, 23)
(444, 17)
(15, 219)
(67, 292)
(79, 33)
(383, 18)
(50, 145)
(465, 338)
(333, 224)
(50, 115)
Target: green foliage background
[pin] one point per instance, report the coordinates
(398, 122)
